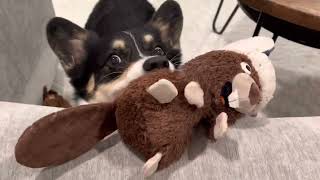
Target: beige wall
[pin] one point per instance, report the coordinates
(74, 10)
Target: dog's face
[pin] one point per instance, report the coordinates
(101, 67)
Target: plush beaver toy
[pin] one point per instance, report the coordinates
(156, 114)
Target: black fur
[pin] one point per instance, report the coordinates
(89, 52)
(112, 16)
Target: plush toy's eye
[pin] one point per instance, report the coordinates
(246, 68)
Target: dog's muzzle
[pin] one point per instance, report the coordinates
(157, 62)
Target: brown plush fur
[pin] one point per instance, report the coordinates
(65, 135)
(144, 124)
(151, 127)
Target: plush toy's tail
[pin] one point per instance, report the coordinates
(65, 135)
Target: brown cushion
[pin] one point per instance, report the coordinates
(305, 13)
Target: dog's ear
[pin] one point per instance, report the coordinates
(65, 135)
(169, 21)
(71, 44)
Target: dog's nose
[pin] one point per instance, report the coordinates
(156, 63)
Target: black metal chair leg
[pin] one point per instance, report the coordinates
(259, 25)
(275, 37)
(228, 21)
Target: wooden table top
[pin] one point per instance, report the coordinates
(305, 13)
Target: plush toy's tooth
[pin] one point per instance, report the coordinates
(151, 166)
(163, 90)
(233, 99)
(234, 104)
(221, 125)
(194, 94)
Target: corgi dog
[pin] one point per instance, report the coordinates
(122, 40)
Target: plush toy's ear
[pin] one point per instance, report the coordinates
(65, 135)
(253, 44)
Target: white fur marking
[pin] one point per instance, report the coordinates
(194, 94)
(135, 43)
(136, 70)
(221, 125)
(110, 91)
(151, 166)
(82, 102)
(163, 90)
(171, 66)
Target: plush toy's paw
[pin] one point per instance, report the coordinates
(221, 125)
(194, 94)
(163, 90)
(151, 166)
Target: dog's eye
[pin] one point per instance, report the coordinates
(114, 59)
(158, 51)
(246, 68)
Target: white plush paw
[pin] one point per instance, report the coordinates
(194, 94)
(151, 166)
(163, 90)
(221, 125)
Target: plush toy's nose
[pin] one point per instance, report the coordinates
(157, 62)
(246, 94)
(254, 94)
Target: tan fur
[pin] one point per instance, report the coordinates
(148, 38)
(78, 50)
(83, 35)
(91, 85)
(110, 91)
(166, 32)
(119, 44)
(163, 28)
